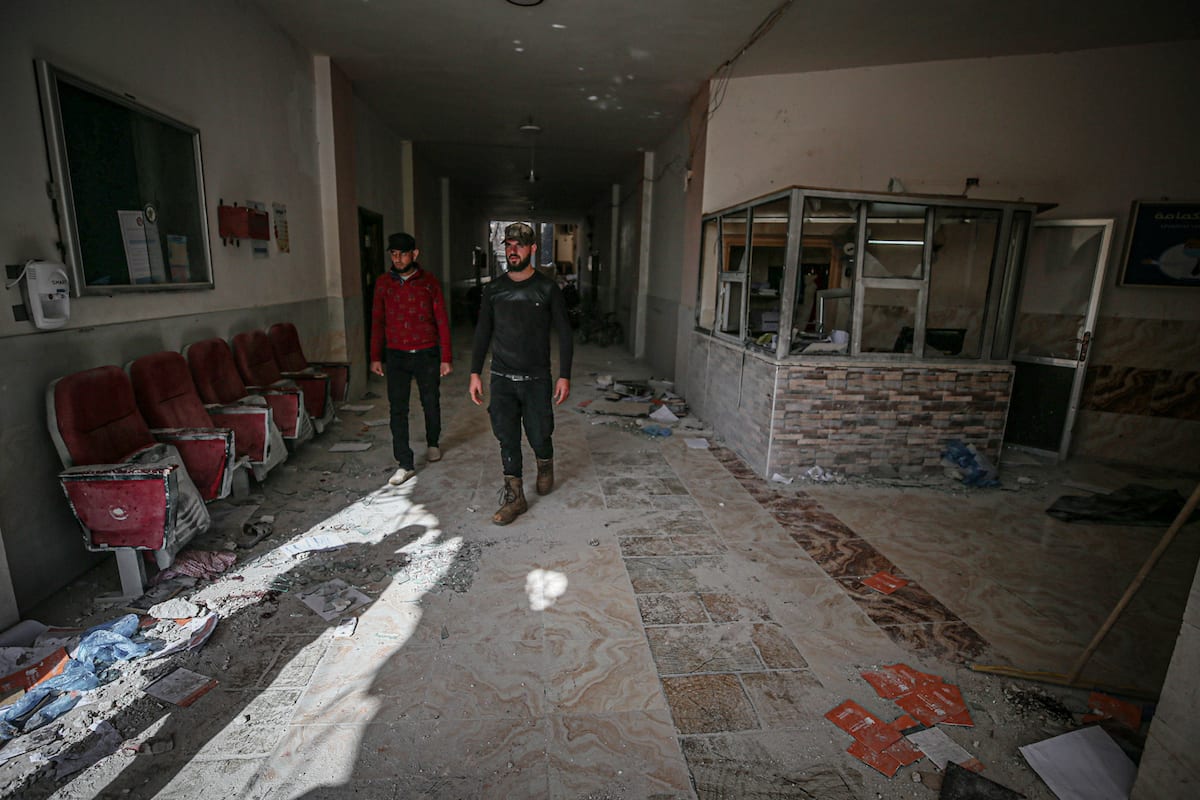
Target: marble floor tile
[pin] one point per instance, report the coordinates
(672, 609)
(708, 704)
(600, 676)
(769, 764)
(789, 698)
(675, 574)
(703, 648)
(629, 754)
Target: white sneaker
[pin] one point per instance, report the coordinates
(433, 454)
(401, 476)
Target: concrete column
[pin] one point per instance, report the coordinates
(643, 270)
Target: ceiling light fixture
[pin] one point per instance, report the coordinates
(525, 2)
(531, 129)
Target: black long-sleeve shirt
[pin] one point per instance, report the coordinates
(515, 318)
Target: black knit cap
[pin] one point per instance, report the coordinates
(402, 242)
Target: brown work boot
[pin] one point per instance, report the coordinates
(545, 480)
(512, 501)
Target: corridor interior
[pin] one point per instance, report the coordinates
(664, 624)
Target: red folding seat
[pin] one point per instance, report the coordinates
(289, 355)
(219, 383)
(167, 398)
(128, 491)
(256, 362)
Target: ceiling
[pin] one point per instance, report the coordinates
(605, 79)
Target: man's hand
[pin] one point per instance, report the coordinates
(475, 388)
(446, 368)
(562, 390)
(377, 368)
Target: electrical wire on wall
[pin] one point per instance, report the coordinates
(720, 78)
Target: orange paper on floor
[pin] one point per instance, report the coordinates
(934, 703)
(885, 582)
(1105, 707)
(898, 679)
(865, 728)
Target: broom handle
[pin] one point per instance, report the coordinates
(1163, 543)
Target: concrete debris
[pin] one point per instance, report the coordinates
(175, 609)
(818, 474)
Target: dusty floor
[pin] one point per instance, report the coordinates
(665, 624)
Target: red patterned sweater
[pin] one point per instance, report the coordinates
(409, 315)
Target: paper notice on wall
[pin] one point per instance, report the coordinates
(279, 216)
(177, 257)
(261, 248)
(137, 247)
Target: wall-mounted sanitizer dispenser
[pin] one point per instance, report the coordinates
(47, 294)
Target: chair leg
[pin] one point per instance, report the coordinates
(132, 570)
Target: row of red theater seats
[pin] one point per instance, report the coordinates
(217, 407)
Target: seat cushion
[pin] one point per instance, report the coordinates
(285, 343)
(97, 418)
(254, 358)
(165, 392)
(214, 373)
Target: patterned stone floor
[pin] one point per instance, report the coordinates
(665, 624)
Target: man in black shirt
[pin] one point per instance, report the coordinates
(515, 317)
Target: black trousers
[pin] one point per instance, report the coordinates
(517, 404)
(402, 368)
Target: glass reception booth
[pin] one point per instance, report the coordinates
(857, 331)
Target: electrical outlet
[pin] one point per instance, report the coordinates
(972, 182)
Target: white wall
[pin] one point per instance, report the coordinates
(379, 167)
(218, 66)
(667, 266)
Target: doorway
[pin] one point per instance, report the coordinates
(1055, 328)
(371, 263)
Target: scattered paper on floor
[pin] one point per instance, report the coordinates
(312, 544)
(333, 599)
(1082, 765)
(941, 749)
(885, 582)
(181, 687)
(696, 444)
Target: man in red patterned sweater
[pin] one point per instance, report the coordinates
(409, 317)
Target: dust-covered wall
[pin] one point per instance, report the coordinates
(254, 108)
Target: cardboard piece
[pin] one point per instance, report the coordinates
(960, 783)
(181, 687)
(25, 674)
(885, 582)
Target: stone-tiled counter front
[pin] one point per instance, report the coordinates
(853, 416)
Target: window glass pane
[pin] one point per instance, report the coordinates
(829, 234)
(895, 241)
(733, 235)
(768, 250)
(964, 249)
(730, 305)
(1056, 290)
(710, 256)
(889, 318)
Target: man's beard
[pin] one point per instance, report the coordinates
(522, 265)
